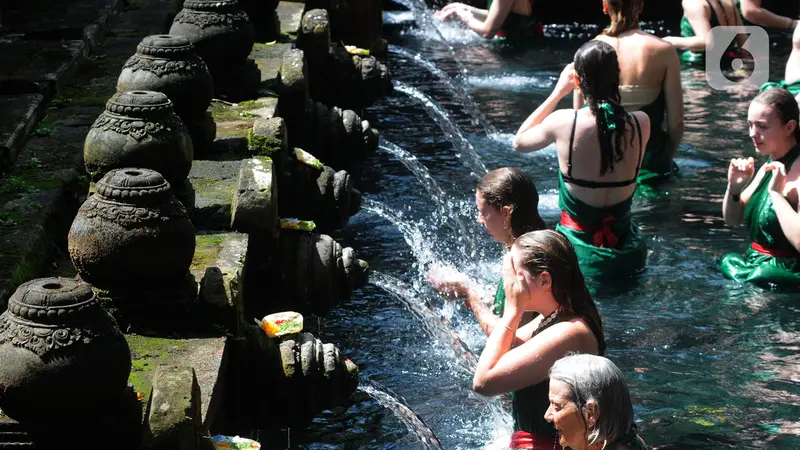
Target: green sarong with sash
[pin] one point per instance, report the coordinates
(771, 258)
(606, 240)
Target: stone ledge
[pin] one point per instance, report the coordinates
(18, 116)
(290, 14)
(204, 355)
(44, 44)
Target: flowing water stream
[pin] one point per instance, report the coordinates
(710, 363)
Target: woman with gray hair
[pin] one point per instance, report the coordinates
(590, 405)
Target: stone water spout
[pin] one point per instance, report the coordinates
(355, 22)
(338, 137)
(308, 188)
(336, 76)
(223, 36)
(64, 364)
(300, 376)
(170, 65)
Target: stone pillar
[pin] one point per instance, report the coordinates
(223, 36)
(264, 17)
(173, 420)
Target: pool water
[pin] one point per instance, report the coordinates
(710, 363)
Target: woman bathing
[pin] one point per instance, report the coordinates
(540, 274)
(590, 405)
(507, 203)
(501, 17)
(650, 81)
(769, 204)
(600, 149)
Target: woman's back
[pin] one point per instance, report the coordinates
(643, 58)
(582, 148)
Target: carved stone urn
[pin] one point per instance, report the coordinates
(131, 232)
(139, 129)
(169, 64)
(62, 357)
(219, 29)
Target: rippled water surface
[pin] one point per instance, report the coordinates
(710, 363)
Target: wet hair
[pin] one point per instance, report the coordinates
(509, 186)
(597, 379)
(598, 72)
(785, 105)
(624, 16)
(548, 250)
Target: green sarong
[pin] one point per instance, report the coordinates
(689, 56)
(499, 303)
(611, 244)
(657, 164)
(515, 24)
(765, 231)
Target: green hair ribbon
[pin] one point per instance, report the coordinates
(608, 112)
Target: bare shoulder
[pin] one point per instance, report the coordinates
(573, 333)
(642, 118)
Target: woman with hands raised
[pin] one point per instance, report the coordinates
(540, 274)
(769, 204)
(600, 150)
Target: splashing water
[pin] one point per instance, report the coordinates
(478, 118)
(437, 326)
(467, 152)
(447, 206)
(512, 82)
(410, 419)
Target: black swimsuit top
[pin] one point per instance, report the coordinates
(599, 184)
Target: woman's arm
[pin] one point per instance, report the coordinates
(699, 15)
(788, 217)
(539, 129)
(486, 26)
(740, 172)
(502, 369)
(752, 11)
(673, 95)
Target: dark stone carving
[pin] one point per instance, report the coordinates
(139, 129)
(264, 18)
(223, 36)
(61, 355)
(132, 231)
(169, 64)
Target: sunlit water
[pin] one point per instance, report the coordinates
(710, 363)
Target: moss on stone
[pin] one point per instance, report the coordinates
(262, 145)
(207, 248)
(147, 353)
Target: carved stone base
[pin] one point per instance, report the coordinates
(238, 83)
(185, 194)
(203, 131)
(167, 307)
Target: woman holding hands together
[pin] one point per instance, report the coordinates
(769, 204)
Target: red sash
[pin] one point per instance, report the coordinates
(772, 252)
(602, 237)
(523, 439)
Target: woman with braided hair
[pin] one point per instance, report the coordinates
(600, 151)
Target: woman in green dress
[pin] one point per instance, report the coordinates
(699, 17)
(507, 202)
(590, 405)
(649, 81)
(540, 274)
(501, 18)
(769, 204)
(600, 150)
